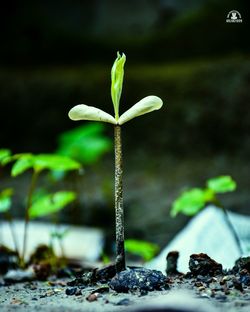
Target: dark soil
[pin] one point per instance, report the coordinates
(207, 287)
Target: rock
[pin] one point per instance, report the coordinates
(105, 274)
(202, 264)
(242, 264)
(124, 301)
(138, 279)
(18, 276)
(71, 291)
(172, 259)
(8, 259)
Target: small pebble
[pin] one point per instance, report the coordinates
(71, 291)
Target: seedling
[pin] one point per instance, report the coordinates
(48, 203)
(85, 112)
(5, 204)
(192, 201)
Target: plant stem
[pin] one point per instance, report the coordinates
(119, 213)
(13, 234)
(27, 217)
(231, 227)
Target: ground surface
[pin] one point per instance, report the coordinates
(42, 296)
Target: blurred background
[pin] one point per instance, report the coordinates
(56, 54)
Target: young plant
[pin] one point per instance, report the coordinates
(48, 203)
(5, 204)
(86, 144)
(85, 112)
(190, 202)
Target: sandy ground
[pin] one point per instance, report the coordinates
(40, 296)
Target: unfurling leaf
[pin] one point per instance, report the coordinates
(117, 74)
(85, 112)
(51, 203)
(144, 106)
(222, 184)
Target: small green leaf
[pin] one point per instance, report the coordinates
(190, 202)
(86, 143)
(5, 199)
(117, 74)
(144, 249)
(4, 153)
(55, 162)
(222, 184)
(51, 203)
(22, 164)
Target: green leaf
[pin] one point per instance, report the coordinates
(23, 163)
(222, 184)
(117, 74)
(51, 203)
(191, 202)
(4, 153)
(5, 199)
(87, 144)
(55, 162)
(144, 249)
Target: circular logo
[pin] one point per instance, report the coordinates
(234, 17)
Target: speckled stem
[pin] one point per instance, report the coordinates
(119, 214)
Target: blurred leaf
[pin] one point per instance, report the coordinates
(4, 153)
(59, 234)
(55, 162)
(40, 162)
(5, 199)
(51, 203)
(144, 249)
(222, 184)
(192, 201)
(22, 164)
(85, 143)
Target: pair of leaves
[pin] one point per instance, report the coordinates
(5, 200)
(51, 203)
(144, 249)
(86, 143)
(146, 105)
(192, 201)
(23, 162)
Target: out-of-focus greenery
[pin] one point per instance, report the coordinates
(50, 203)
(190, 202)
(4, 153)
(38, 163)
(144, 249)
(5, 199)
(86, 144)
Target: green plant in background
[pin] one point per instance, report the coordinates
(86, 144)
(85, 112)
(144, 249)
(4, 153)
(190, 202)
(59, 235)
(48, 203)
(5, 205)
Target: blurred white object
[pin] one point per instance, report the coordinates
(208, 233)
(79, 242)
